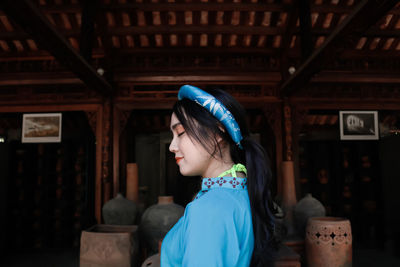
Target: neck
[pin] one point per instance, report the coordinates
(216, 168)
(219, 165)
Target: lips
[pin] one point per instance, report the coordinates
(178, 159)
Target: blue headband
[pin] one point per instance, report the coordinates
(216, 108)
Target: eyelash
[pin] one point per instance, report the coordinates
(179, 134)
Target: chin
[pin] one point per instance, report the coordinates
(182, 171)
(187, 172)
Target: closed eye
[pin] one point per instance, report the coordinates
(179, 134)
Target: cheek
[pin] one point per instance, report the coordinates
(195, 155)
(191, 149)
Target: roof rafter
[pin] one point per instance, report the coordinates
(290, 29)
(365, 14)
(87, 34)
(29, 17)
(305, 28)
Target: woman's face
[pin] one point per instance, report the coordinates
(190, 156)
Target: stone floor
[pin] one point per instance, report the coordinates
(70, 258)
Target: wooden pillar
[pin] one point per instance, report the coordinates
(274, 118)
(120, 119)
(96, 123)
(107, 150)
(115, 149)
(299, 115)
(287, 120)
(288, 179)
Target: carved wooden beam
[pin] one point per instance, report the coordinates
(354, 77)
(367, 54)
(193, 29)
(30, 18)
(392, 103)
(261, 77)
(29, 78)
(9, 79)
(365, 14)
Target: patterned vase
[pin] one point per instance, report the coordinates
(328, 242)
(157, 220)
(119, 211)
(306, 208)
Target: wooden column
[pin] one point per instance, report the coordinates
(116, 133)
(299, 115)
(288, 180)
(120, 119)
(274, 117)
(96, 123)
(287, 120)
(107, 150)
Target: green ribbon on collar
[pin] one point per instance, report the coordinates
(235, 168)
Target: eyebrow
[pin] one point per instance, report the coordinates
(175, 125)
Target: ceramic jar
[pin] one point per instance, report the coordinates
(157, 220)
(306, 208)
(119, 211)
(328, 242)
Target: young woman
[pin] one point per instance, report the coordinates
(229, 222)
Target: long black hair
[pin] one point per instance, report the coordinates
(203, 127)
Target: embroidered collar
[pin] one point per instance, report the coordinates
(227, 182)
(221, 182)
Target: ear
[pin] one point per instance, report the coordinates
(219, 139)
(221, 127)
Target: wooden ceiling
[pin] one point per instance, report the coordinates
(237, 41)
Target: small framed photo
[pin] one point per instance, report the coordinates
(358, 125)
(41, 128)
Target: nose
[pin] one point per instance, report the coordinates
(173, 146)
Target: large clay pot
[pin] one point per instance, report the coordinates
(328, 242)
(109, 246)
(119, 211)
(157, 220)
(306, 208)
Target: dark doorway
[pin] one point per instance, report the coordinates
(50, 186)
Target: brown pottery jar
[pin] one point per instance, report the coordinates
(328, 242)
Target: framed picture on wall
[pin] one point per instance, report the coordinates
(41, 128)
(358, 125)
